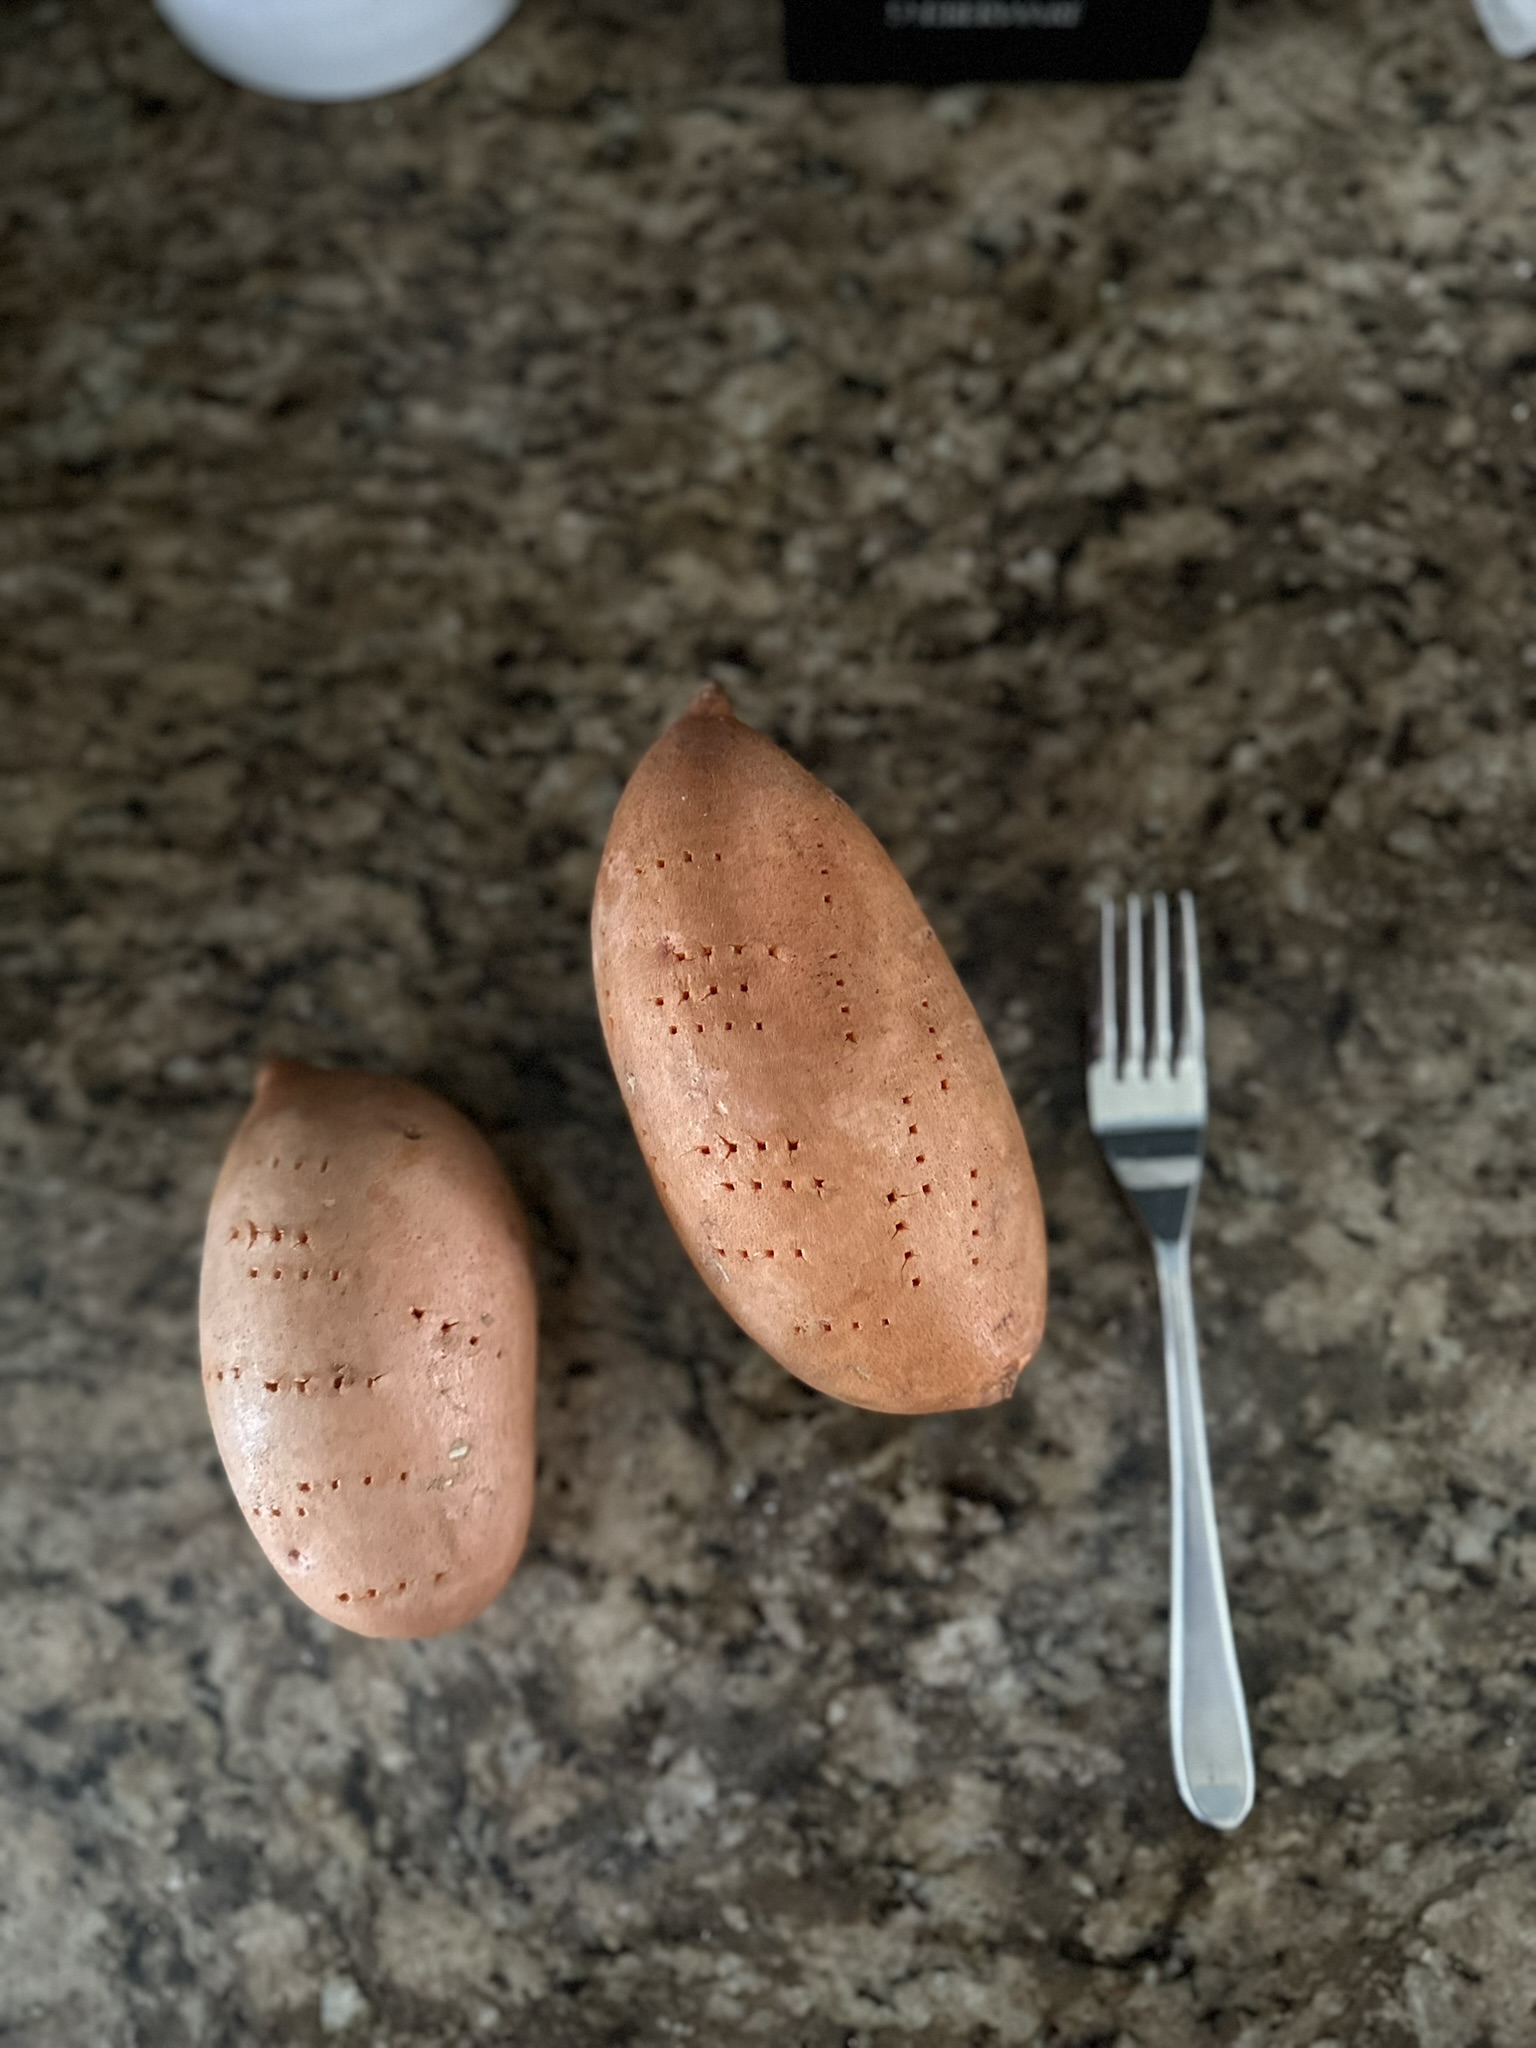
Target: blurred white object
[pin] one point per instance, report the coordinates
(332, 49)
(1510, 24)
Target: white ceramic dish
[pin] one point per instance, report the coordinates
(332, 49)
(1510, 25)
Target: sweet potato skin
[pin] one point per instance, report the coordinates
(369, 1336)
(817, 1101)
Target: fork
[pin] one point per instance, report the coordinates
(1148, 1111)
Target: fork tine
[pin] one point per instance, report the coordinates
(1162, 992)
(1192, 1023)
(1109, 1026)
(1135, 995)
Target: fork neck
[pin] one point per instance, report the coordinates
(1169, 1214)
(1159, 1170)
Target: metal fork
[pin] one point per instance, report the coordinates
(1148, 1110)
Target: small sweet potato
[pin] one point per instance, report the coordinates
(369, 1337)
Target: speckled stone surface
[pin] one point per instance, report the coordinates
(1090, 486)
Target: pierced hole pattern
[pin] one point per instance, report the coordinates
(710, 992)
(255, 1233)
(825, 1326)
(705, 991)
(302, 1383)
(386, 1592)
(308, 1488)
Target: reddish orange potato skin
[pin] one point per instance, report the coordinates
(818, 1103)
(369, 1343)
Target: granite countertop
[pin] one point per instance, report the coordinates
(1090, 485)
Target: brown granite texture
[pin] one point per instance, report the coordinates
(1090, 485)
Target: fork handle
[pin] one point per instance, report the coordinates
(1212, 1751)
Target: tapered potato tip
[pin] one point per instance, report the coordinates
(711, 702)
(277, 1075)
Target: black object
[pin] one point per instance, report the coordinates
(954, 42)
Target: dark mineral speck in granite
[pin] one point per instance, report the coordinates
(1093, 487)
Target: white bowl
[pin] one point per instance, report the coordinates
(1510, 25)
(332, 49)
